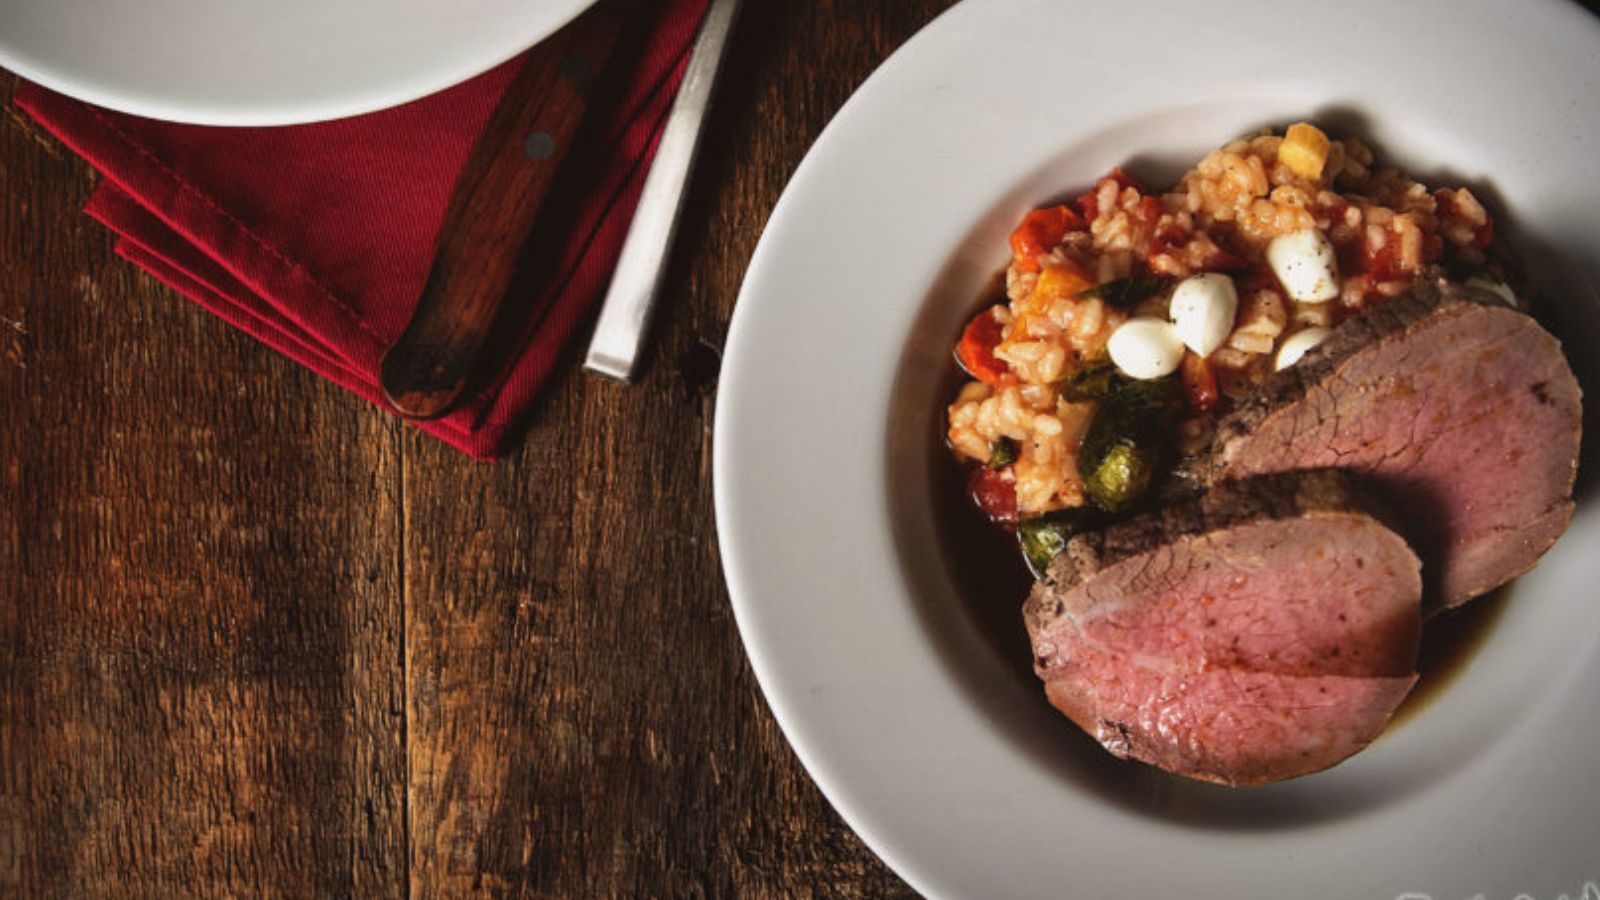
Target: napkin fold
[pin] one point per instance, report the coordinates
(316, 239)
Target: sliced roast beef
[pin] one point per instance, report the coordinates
(1462, 408)
(1264, 630)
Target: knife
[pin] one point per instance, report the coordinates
(493, 207)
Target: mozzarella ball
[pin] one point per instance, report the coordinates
(1299, 344)
(1494, 286)
(1145, 347)
(1305, 264)
(1203, 308)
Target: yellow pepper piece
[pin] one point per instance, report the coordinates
(1304, 150)
(1059, 282)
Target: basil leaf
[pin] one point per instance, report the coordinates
(1125, 293)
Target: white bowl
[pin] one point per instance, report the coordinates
(921, 726)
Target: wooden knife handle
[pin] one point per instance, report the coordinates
(496, 199)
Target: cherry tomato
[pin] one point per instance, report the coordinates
(1041, 230)
(995, 493)
(975, 351)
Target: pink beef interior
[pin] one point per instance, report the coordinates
(1245, 654)
(1231, 726)
(1470, 423)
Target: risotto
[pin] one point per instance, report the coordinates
(1205, 288)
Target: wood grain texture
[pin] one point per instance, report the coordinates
(583, 720)
(258, 639)
(199, 603)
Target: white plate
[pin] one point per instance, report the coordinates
(950, 765)
(279, 62)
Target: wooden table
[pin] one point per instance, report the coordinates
(258, 638)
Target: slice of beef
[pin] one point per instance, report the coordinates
(1264, 630)
(1462, 408)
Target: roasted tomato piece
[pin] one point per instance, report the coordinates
(1175, 241)
(995, 493)
(975, 351)
(1199, 383)
(1040, 231)
(1149, 211)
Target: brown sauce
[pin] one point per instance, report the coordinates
(1449, 641)
(983, 559)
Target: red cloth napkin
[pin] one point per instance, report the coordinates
(316, 239)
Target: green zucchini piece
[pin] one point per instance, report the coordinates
(1044, 537)
(1092, 382)
(1129, 441)
(1003, 452)
(1125, 471)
